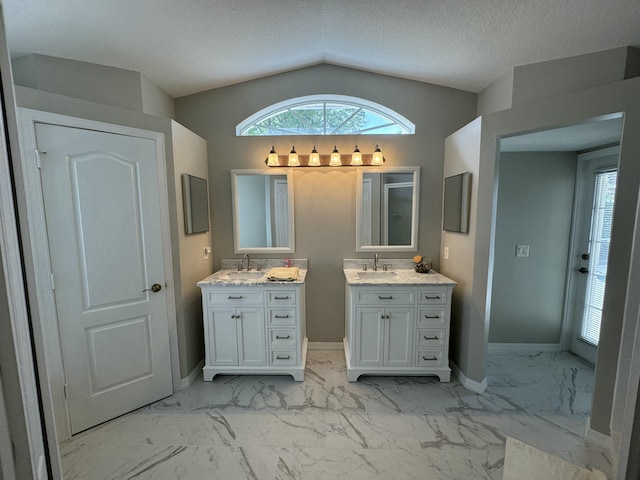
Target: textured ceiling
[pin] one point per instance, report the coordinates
(194, 45)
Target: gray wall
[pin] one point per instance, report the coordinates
(325, 198)
(189, 156)
(535, 203)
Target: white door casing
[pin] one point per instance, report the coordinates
(46, 326)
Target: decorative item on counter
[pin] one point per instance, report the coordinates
(286, 262)
(422, 265)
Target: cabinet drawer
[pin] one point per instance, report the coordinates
(429, 358)
(282, 316)
(217, 297)
(283, 356)
(432, 297)
(431, 317)
(281, 297)
(385, 297)
(282, 337)
(430, 338)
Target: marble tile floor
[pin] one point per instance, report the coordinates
(271, 427)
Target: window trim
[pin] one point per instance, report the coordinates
(361, 103)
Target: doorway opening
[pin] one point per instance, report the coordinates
(536, 283)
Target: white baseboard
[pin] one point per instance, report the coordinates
(185, 382)
(523, 347)
(325, 346)
(597, 438)
(467, 382)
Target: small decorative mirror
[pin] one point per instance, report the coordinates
(195, 201)
(457, 196)
(262, 211)
(387, 209)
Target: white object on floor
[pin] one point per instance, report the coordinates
(524, 462)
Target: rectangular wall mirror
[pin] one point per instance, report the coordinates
(262, 211)
(456, 203)
(387, 209)
(195, 201)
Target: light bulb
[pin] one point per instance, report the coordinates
(356, 157)
(377, 158)
(335, 158)
(272, 159)
(314, 158)
(293, 158)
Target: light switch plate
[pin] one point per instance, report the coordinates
(522, 250)
(446, 253)
(207, 252)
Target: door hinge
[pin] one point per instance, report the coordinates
(53, 282)
(66, 395)
(38, 153)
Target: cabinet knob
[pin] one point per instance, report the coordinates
(278, 337)
(429, 358)
(385, 298)
(282, 316)
(432, 316)
(437, 297)
(435, 337)
(234, 298)
(281, 298)
(278, 357)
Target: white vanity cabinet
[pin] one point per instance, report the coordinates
(254, 329)
(400, 329)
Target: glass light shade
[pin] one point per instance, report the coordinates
(377, 158)
(335, 158)
(314, 158)
(272, 160)
(293, 158)
(356, 157)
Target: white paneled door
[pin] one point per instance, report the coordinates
(103, 225)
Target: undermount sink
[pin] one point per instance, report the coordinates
(245, 275)
(381, 274)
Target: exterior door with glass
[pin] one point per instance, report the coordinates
(596, 201)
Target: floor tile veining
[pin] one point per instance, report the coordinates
(271, 427)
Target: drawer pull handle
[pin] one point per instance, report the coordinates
(278, 337)
(432, 316)
(235, 316)
(234, 298)
(429, 358)
(281, 298)
(282, 316)
(278, 357)
(437, 297)
(435, 337)
(385, 298)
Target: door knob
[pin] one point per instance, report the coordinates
(583, 270)
(156, 287)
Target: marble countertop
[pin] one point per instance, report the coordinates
(222, 278)
(399, 277)
(400, 272)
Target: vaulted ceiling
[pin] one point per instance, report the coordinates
(189, 46)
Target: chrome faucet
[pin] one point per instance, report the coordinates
(248, 258)
(375, 262)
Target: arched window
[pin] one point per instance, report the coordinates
(325, 115)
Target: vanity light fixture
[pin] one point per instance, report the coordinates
(335, 157)
(293, 158)
(315, 159)
(377, 158)
(356, 157)
(272, 160)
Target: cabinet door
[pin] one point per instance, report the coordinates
(222, 344)
(399, 336)
(251, 336)
(370, 337)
